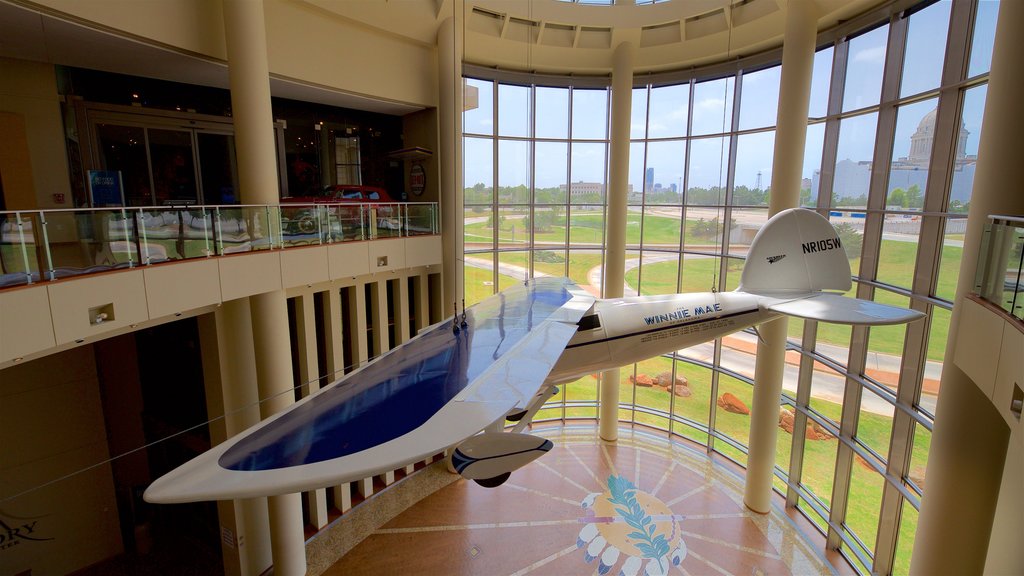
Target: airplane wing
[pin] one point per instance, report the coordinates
(830, 307)
(421, 397)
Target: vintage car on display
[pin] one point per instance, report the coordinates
(353, 208)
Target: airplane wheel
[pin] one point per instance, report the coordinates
(493, 482)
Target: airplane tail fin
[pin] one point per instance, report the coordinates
(797, 251)
(797, 255)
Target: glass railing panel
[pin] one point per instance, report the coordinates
(1000, 279)
(21, 255)
(420, 219)
(169, 234)
(345, 222)
(87, 241)
(303, 225)
(245, 228)
(386, 219)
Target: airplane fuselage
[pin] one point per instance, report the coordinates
(620, 331)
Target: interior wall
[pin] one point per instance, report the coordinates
(1005, 555)
(29, 91)
(420, 129)
(52, 418)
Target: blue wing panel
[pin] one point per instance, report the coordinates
(403, 389)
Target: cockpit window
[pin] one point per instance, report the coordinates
(589, 322)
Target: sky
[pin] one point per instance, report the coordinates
(670, 114)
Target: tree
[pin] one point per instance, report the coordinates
(897, 197)
(914, 198)
(851, 239)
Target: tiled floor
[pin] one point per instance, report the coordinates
(640, 506)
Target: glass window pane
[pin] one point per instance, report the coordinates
(885, 344)
(759, 102)
(874, 423)
(637, 178)
(478, 278)
(967, 149)
(590, 114)
(819, 469)
(703, 232)
(479, 118)
(658, 273)
(638, 114)
(584, 267)
(513, 110)
(732, 415)
(865, 502)
(663, 178)
(850, 226)
(911, 152)
(478, 170)
(937, 337)
(834, 342)
(898, 253)
(478, 230)
(853, 161)
(905, 540)
(821, 79)
(514, 268)
(587, 178)
(754, 156)
(926, 40)
(708, 163)
(587, 226)
(661, 228)
(952, 253)
(552, 172)
(581, 393)
(712, 106)
(122, 148)
(548, 226)
(552, 112)
(550, 262)
(983, 37)
(669, 109)
(811, 175)
(512, 226)
(652, 388)
(693, 402)
(513, 172)
(864, 67)
(827, 387)
(700, 273)
(919, 456)
(733, 273)
(744, 225)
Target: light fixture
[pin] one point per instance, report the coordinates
(18, 359)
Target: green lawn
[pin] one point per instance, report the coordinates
(588, 228)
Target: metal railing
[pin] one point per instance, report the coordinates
(1000, 275)
(46, 245)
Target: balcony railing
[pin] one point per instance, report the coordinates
(1000, 277)
(46, 245)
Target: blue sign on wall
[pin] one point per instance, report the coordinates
(105, 188)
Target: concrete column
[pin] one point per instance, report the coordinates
(790, 136)
(401, 305)
(379, 309)
(421, 292)
(246, 40)
(309, 381)
(357, 324)
(449, 63)
(615, 250)
(333, 335)
(969, 440)
(229, 372)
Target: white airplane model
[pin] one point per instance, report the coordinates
(501, 360)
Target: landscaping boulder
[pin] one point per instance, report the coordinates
(730, 403)
(682, 390)
(786, 420)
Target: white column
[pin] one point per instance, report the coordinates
(309, 379)
(334, 342)
(402, 324)
(246, 40)
(615, 250)
(229, 372)
(790, 135)
(449, 63)
(379, 309)
(969, 440)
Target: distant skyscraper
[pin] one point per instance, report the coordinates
(649, 179)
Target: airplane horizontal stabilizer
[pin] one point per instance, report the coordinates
(839, 309)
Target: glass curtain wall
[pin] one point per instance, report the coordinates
(891, 148)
